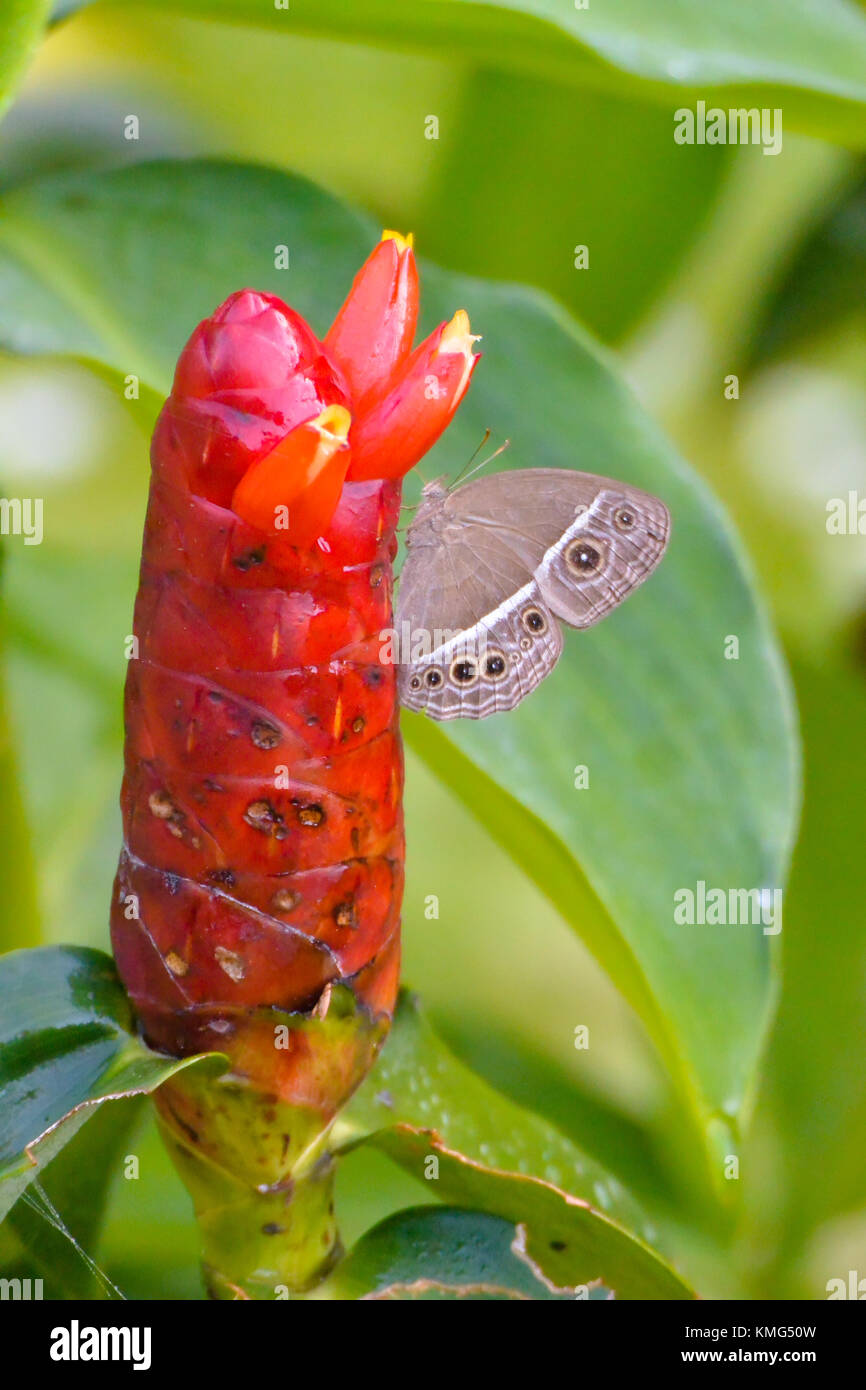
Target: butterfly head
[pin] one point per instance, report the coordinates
(435, 490)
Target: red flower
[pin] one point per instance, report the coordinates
(268, 420)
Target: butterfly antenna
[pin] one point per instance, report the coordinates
(473, 456)
(464, 476)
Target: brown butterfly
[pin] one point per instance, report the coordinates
(493, 566)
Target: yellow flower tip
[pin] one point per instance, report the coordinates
(404, 243)
(333, 424)
(457, 336)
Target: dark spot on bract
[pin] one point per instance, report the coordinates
(373, 677)
(230, 963)
(272, 1228)
(176, 964)
(345, 914)
(358, 724)
(264, 735)
(223, 1026)
(284, 900)
(377, 574)
(221, 876)
(262, 816)
(558, 1245)
(162, 806)
(248, 558)
(311, 815)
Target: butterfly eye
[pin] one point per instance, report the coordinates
(464, 670)
(495, 666)
(582, 558)
(433, 678)
(624, 518)
(534, 620)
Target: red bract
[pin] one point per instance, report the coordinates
(248, 376)
(254, 375)
(424, 391)
(260, 883)
(373, 332)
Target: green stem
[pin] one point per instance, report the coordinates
(265, 1210)
(253, 1146)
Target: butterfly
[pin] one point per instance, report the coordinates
(494, 566)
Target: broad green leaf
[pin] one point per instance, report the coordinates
(66, 702)
(507, 201)
(825, 282)
(806, 56)
(569, 1241)
(431, 1253)
(65, 1047)
(628, 1150)
(691, 757)
(21, 24)
(804, 1164)
(420, 1105)
(57, 1221)
(418, 1083)
(480, 196)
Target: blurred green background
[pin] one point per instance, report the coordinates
(703, 262)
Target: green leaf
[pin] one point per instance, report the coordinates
(623, 171)
(21, 25)
(417, 1082)
(429, 1253)
(823, 285)
(806, 56)
(805, 1165)
(421, 1104)
(626, 1148)
(57, 1221)
(692, 758)
(65, 1047)
(67, 717)
(568, 1241)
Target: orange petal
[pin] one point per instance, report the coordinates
(398, 429)
(372, 334)
(293, 491)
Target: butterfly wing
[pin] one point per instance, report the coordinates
(490, 567)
